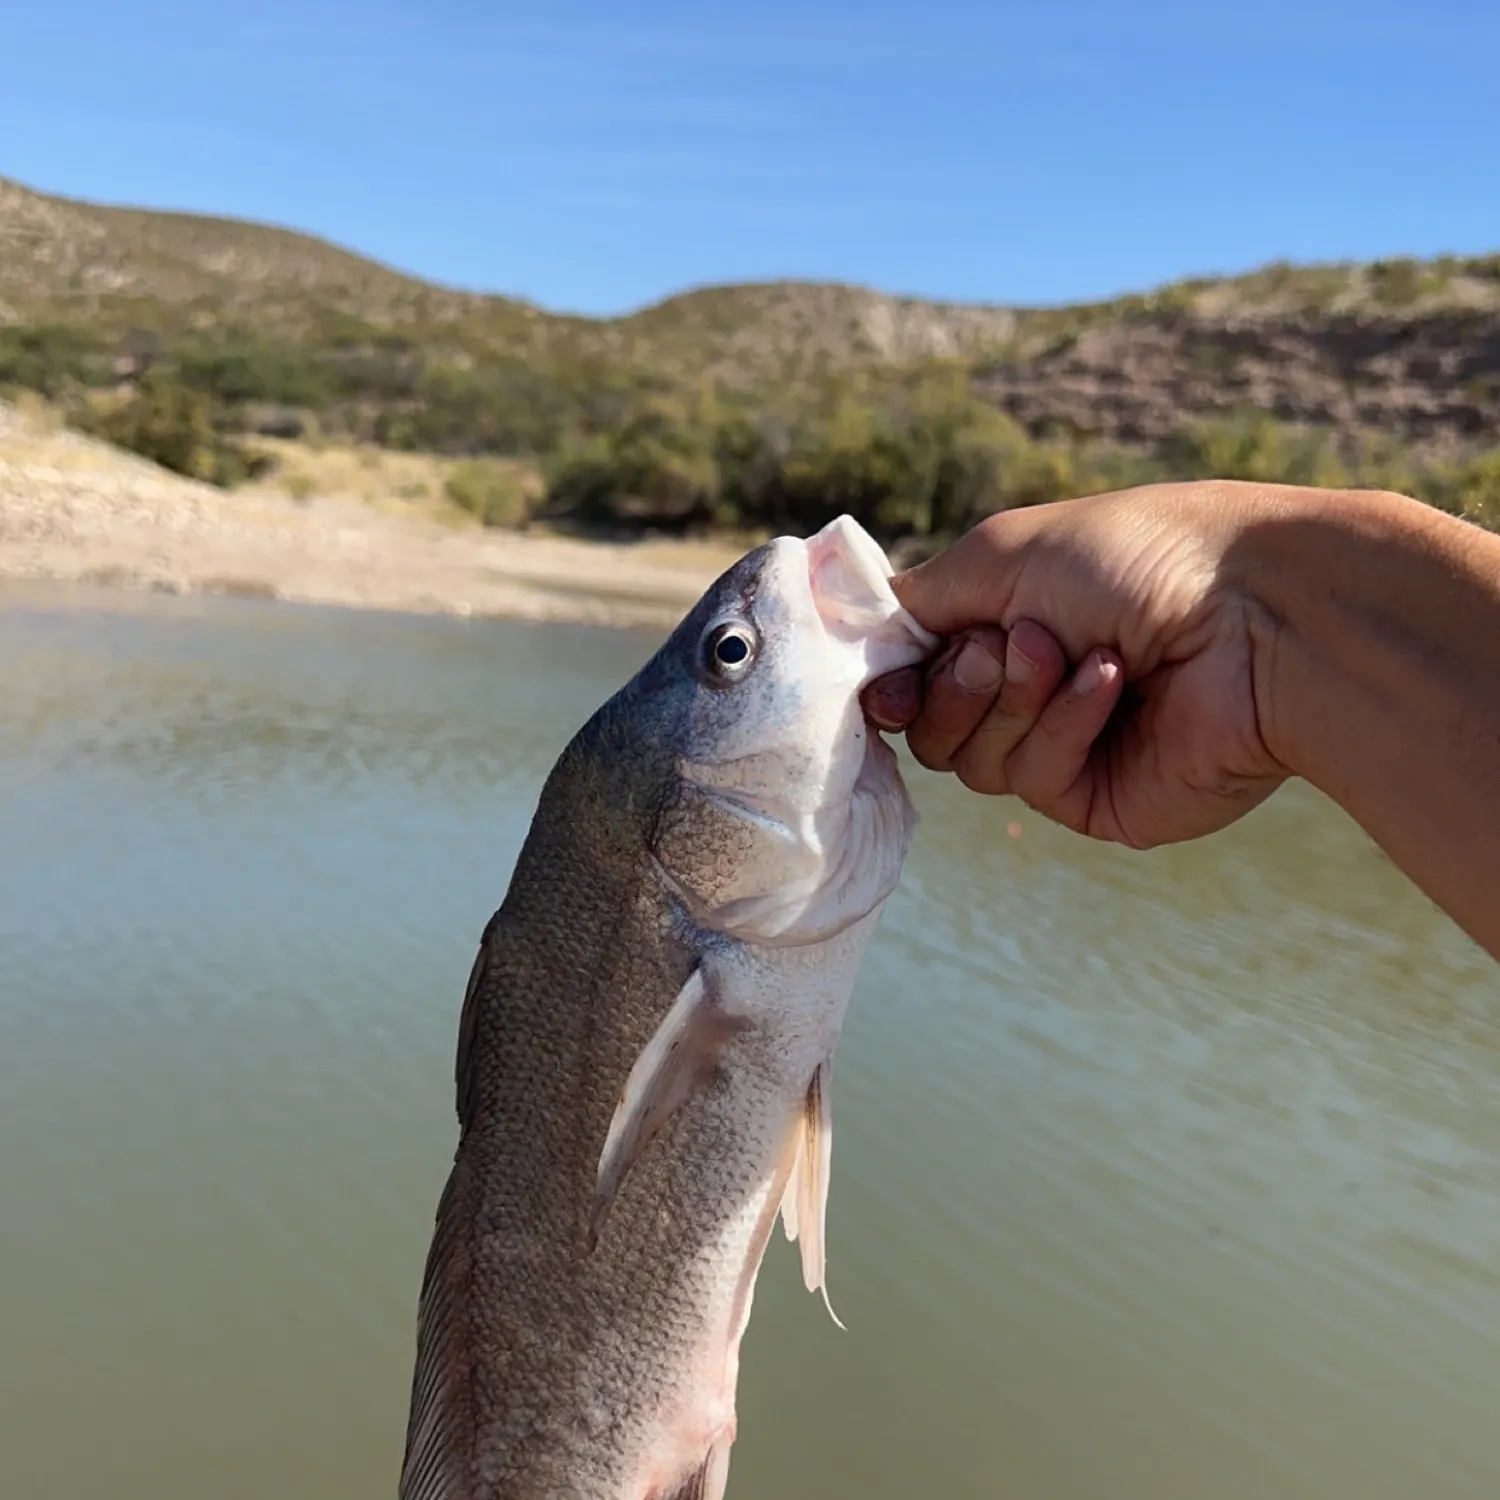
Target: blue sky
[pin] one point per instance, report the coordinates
(594, 157)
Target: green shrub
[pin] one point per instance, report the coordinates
(496, 493)
(1400, 282)
(176, 427)
(1472, 488)
(49, 359)
(1256, 447)
(240, 370)
(657, 471)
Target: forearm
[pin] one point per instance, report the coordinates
(1377, 677)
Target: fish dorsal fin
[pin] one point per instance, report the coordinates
(468, 1019)
(708, 1482)
(804, 1205)
(678, 1060)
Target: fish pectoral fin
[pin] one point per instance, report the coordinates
(804, 1205)
(678, 1060)
(707, 1482)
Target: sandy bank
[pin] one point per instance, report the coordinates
(79, 511)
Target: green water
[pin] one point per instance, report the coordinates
(1156, 1178)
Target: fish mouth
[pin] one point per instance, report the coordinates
(849, 576)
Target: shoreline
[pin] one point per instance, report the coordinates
(74, 511)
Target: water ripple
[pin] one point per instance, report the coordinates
(1156, 1178)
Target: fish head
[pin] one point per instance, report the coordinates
(787, 818)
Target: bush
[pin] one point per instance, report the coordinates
(176, 427)
(1402, 281)
(1472, 488)
(659, 471)
(504, 407)
(243, 370)
(50, 360)
(496, 493)
(1256, 447)
(857, 462)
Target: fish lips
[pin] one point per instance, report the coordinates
(849, 577)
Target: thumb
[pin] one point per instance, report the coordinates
(971, 582)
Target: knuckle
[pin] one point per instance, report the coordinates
(1033, 777)
(1002, 730)
(1042, 781)
(953, 722)
(1037, 798)
(1009, 718)
(984, 774)
(928, 753)
(989, 530)
(1026, 700)
(952, 711)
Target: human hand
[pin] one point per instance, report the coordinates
(1001, 710)
(1155, 737)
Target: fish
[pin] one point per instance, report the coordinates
(643, 1073)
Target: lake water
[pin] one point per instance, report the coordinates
(1156, 1178)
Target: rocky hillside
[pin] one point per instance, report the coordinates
(1427, 378)
(1411, 349)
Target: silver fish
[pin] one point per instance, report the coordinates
(646, 1045)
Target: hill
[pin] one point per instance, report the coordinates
(116, 271)
(1387, 371)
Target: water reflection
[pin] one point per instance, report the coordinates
(1157, 1178)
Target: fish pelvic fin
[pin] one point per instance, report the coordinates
(804, 1205)
(679, 1059)
(709, 1481)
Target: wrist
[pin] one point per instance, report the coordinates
(1376, 678)
(1330, 580)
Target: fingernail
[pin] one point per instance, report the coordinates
(1093, 675)
(940, 662)
(976, 671)
(1018, 666)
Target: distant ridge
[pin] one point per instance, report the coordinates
(1407, 347)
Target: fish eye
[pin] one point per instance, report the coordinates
(729, 651)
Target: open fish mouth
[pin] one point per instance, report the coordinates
(849, 576)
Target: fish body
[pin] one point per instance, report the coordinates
(646, 1044)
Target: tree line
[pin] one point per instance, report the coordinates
(910, 452)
